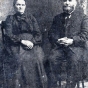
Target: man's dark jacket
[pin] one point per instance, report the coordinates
(75, 28)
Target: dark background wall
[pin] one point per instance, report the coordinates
(43, 10)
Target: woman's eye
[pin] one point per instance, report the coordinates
(18, 4)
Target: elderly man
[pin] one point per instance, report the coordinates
(68, 36)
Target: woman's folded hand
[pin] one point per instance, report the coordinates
(27, 43)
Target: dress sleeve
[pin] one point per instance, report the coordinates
(37, 37)
(8, 30)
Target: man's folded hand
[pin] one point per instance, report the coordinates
(65, 41)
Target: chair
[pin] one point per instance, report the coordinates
(3, 31)
(3, 53)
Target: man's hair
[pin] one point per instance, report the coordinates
(76, 0)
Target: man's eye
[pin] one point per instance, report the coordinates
(70, 0)
(23, 4)
(67, 0)
(64, 0)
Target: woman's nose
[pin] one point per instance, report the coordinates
(20, 7)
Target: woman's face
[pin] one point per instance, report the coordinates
(20, 6)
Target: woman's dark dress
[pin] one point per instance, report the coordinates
(23, 66)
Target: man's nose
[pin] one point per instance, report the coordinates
(67, 2)
(20, 6)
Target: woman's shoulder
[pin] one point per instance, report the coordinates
(9, 17)
(31, 17)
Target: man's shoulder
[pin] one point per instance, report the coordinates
(58, 16)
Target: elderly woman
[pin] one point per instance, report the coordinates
(22, 42)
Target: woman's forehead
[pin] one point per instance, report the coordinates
(19, 1)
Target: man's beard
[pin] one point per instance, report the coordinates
(68, 9)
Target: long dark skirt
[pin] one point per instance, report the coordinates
(21, 70)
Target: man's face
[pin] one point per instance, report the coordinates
(69, 5)
(20, 6)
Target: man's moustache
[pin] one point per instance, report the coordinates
(67, 6)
